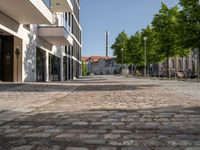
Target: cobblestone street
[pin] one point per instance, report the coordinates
(100, 113)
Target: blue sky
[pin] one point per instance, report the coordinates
(97, 16)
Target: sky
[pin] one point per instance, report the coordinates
(97, 16)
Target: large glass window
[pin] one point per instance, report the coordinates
(54, 68)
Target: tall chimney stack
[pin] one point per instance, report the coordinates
(107, 42)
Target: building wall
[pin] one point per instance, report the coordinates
(27, 39)
(103, 67)
(187, 65)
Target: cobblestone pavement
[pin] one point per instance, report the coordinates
(100, 113)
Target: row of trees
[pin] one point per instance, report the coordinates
(173, 33)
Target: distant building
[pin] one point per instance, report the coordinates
(101, 65)
(187, 65)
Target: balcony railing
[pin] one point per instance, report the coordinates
(59, 21)
(63, 22)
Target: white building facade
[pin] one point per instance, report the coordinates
(40, 40)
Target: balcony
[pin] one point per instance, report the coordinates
(27, 11)
(61, 6)
(58, 34)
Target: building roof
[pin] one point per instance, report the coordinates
(95, 58)
(85, 59)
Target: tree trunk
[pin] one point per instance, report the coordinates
(135, 69)
(168, 67)
(132, 69)
(198, 63)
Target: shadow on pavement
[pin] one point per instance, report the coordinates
(114, 87)
(48, 87)
(168, 127)
(35, 87)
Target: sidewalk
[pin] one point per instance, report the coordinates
(17, 99)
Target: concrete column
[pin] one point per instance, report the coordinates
(67, 69)
(61, 68)
(71, 70)
(46, 66)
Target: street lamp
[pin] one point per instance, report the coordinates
(145, 56)
(198, 54)
(122, 59)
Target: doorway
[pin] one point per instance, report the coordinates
(65, 75)
(54, 68)
(0, 58)
(10, 58)
(6, 50)
(40, 65)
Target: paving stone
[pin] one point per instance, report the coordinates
(11, 130)
(80, 123)
(93, 141)
(106, 148)
(179, 143)
(117, 124)
(88, 136)
(76, 131)
(167, 148)
(13, 135)
(66, 135)
(39, 143)
(76, 148)
(135, 148)
(112, 136)
(99, 123)
(193, 148)
(37, 135)
(121, 131)
(97, 131)
(24, 147)
(108, 127)
(54, 130)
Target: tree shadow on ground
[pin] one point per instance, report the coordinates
(34, 87)
(53, 87)
(155, 128)
(114, 87)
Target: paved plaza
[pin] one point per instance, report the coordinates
(100, 113)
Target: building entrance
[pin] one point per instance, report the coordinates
(10, 58)
(54, 68)
(40, 65)
(65, 78)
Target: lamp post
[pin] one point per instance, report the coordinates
(145, 56)
(198, 52)
(17, 52)
(122, 59)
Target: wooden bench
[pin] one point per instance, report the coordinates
(180, 75)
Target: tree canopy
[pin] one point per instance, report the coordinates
(120, 48)
(172, 33)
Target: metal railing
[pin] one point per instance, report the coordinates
(58, 21)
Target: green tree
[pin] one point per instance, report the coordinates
(189, 20)
(135, 54)
(165, 25)
(121, 43)
(153, 54)
(84, 69)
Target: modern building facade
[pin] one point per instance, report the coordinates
(40, 40)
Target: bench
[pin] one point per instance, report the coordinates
(180, 75)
